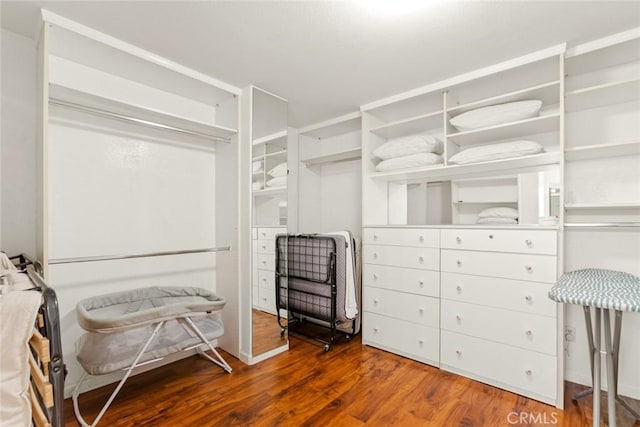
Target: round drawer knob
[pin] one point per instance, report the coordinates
(264, 234)
(264, 299)
(375, 276)
(375, 301)
(421, 239)
(375, 255)
(491, 236)
(421, 310)
(459, 352)
(528, 372)
(459, 288)
(264, 279)
(528, 268)
(375, 237)
(264, 246)
(458, 317)
(421, 342)
(528, 242)
(421, 259)
(375, 329)
(459, 239)
(459, 263)
(529, 332)
(421, 282)
(264, 262)
(528, 298)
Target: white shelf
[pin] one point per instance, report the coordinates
(93, 104)
(489, 202)
(541, 124)
(337, 126)
(548, 93)
(601, 206)
(587, 152)
(475, 170)
(410, 125)
(351, 154)
(277, 137)
(611, 93)
(271, 191)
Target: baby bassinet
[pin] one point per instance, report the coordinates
(132, 328)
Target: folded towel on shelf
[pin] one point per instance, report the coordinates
(280, 181)
(279, 170)
(257, 166)
(407, 145)
(497, 220)
(256, 185)
(503, 150)
(499, 212)
(411, 161)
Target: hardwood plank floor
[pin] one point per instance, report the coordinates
(351, 385)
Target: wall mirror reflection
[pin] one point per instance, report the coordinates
(269, 215)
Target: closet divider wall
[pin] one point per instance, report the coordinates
(137, 158)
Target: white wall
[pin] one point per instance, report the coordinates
(17, 145)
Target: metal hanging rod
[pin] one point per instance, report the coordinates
(147, 255)
(603, 224)
(129, 119)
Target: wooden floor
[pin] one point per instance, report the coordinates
(351, 385)
(266, 332)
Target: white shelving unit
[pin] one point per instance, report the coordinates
(597, 151)
(340, 156)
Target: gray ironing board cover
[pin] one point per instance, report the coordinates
(599, 288)
(132, 308)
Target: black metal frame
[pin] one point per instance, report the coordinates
(317, 268)
(51, 330)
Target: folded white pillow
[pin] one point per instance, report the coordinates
(503, 150)
(257, 166)
(496, 221)
(256, 185)
(499, 212)
(406, 145)
(278, 171)
(494, 115)
(279, 181)
(411, 161)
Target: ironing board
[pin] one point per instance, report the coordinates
(606, 291)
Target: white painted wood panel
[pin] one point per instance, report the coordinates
(418, 309)
(410, 280)
(429, 238)
(522, 241)
(399, 256)
(266, 262)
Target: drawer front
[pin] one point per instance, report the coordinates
(405, 338)
(518, 295)
(267, 299)
(421, 282)
(543, 242)
(266, 279)
(528, 331)
(537, 268)
(412, 308)
(265, 246)
(269, 233)
(526, 371)
(266, 262)
(255, 295)
(427, 238)
(400, 256)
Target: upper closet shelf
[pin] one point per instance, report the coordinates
(548, 93)
(541, 124)
(277, 137)
(599, 206)
(474, 170)
(270, 191)
(351, 154)
(336, 126)
(410, 125)
(611, 93)
(599, 151)
(110, 108)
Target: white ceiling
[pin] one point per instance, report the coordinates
(328, 58)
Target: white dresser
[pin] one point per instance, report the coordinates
(401, 288)
(488, 287)
(264, 260)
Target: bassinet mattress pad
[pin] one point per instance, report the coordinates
(136, 307)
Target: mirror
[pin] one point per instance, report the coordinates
(269, 216)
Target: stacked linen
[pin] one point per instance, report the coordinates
(279, 175)
(498, 215)
(409, 152)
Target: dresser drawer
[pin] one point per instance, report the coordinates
(265, 246)
(269, 233)
(526, 372)
(266, 279)
(255, 296)
(408, 339)
(267, 299)
(266, 262)
(528, 331)
(401, 256)
(538, 268)
(422, 282)
(518, 295)
(399, 305)
(542, 242)
(418, 237)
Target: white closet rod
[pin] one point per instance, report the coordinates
(122, 117)
(147, 255)
(603, 224)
